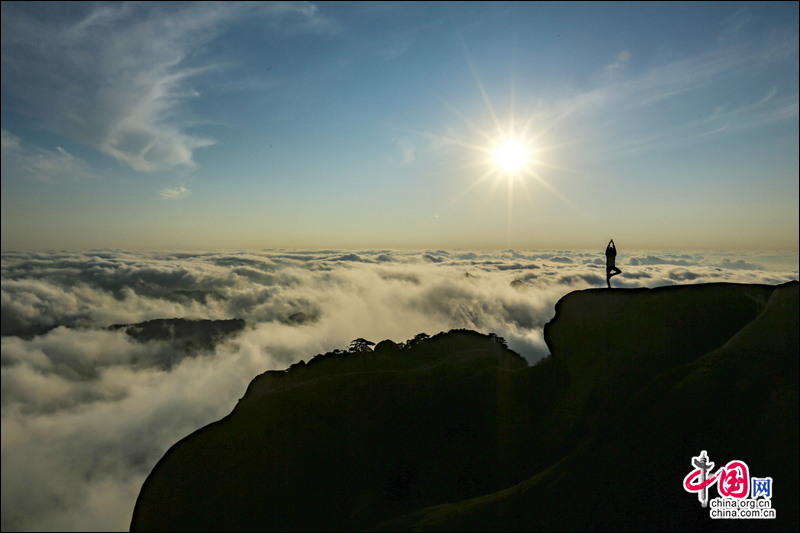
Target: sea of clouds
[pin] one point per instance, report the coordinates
(87, 411)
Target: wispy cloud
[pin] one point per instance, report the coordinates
(298, 17)
(48, 165)
(8, 142)
(732, 26)
(40, 164)
(117, 76)
(406, 149)
(177, 193)
(628, 105)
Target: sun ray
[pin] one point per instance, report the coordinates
(450, 140)
(474, 184)
(511, 113)
(524, 186)
(486, 135)
(513, 152)
(553, 190)
(510, 209)
(482, 90)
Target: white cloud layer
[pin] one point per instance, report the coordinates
(87, 412)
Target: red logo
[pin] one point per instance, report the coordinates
(733, 480)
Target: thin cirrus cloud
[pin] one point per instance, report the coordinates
(40, 164)
(626, 112)
(649, 98)
(178, 193)
(125, 95)
(8, 142)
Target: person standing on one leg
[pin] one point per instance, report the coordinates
(611, 255)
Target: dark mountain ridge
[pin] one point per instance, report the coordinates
(184, 337)
(456, 432)
(190, 334)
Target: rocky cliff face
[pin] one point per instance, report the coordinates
(610, 342)
(457, 432)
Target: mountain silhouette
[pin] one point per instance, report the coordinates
(193, 333)
(186, 337)
(457, 432)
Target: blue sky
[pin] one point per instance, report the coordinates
(314, 125)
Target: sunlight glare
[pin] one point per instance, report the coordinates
(511, 155)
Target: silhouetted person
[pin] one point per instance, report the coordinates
(611, 255)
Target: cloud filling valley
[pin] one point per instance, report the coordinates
(88, 410)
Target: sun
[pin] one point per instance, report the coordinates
(511, 152)
(511, 155)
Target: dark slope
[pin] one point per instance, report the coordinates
(346, 441)
(739, 401)
(598, 436)
(611, 342)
